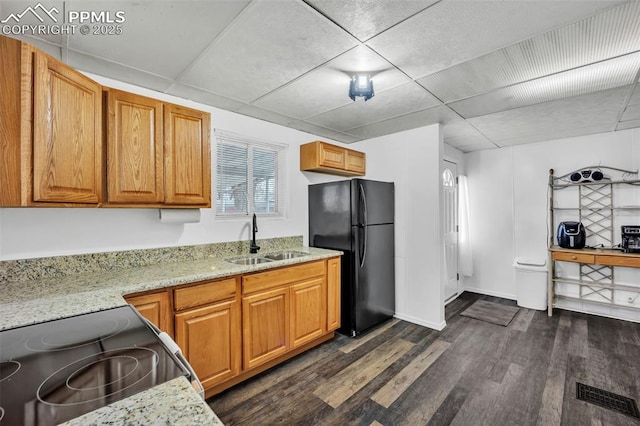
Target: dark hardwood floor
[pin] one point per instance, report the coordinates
(471, 373)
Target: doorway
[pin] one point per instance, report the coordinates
(450, 229)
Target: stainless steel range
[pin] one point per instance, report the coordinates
(55, 371)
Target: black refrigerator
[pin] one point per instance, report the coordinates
(356, 216)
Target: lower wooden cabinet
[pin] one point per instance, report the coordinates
(155, 307)
(209, 337)
(308, 311)
(208, 329)
(233, 328)
(265, 321)
(333, 293)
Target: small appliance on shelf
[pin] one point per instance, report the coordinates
(630, 238)
(571, 235)
(586, 175)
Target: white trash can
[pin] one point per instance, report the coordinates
(531, 282)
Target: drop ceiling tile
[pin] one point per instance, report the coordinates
(603, 75)
(327, 87)
(343, 137)
(631, 124)
(271, 43)
(116, 71)
(202, 96)
(320, 131)
(366, 18)
(458, 128)
(469, 143)
(557, 134)
(160, 37)
(43, 20)
(597, 111)
(451, 32)
(265, 115)
(632, 112)
(606, 35)
(439, 114)
(384, 105)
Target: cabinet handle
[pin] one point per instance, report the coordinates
(574, 257)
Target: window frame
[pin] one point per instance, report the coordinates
(251, 143)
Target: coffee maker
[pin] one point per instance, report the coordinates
(630, 238)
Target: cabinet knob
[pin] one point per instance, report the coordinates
(574, 257)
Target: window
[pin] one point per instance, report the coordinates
(249, 176)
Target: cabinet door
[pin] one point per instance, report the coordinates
(355, 162)
(67, 135)
(156, 308)
(308, 311)
(134, 148)
(265, 323)
(331, 156)
(333, 294)
(210, 340)
(187, 156)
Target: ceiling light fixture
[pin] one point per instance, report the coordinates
(361, 85)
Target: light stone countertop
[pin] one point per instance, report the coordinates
(45, 299)
(173, 403)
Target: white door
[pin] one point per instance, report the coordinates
(450, 229)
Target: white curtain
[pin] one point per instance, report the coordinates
(465, 254)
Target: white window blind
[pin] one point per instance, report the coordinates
(249, 176)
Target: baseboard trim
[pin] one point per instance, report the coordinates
(418, 321)
(490, 293)
(216, 389)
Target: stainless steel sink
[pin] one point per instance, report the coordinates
(284, 255)
(249, 260)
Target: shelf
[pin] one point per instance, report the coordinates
(600, 182)
(595, 208)
(596, 284)
(595, 302)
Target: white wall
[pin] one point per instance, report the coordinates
(412, 160)
(508, 200)
(38, 232)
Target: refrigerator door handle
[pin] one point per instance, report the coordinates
(363, 197)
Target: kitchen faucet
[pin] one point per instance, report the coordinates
(254, 228)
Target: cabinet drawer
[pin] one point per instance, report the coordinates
(628, 261)
(574, 257)
(278, 277)
(202, 294)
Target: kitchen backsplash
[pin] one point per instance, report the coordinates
(60, 266)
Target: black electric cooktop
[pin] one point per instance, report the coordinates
(58, 370)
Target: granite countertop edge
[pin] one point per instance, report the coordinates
(34, 301)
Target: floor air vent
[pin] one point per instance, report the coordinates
(609, 400)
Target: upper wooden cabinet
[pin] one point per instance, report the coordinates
(58, 148)
(323, 157)
(187, 154)
(134, 148)
(157, 153)
(50, 131)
